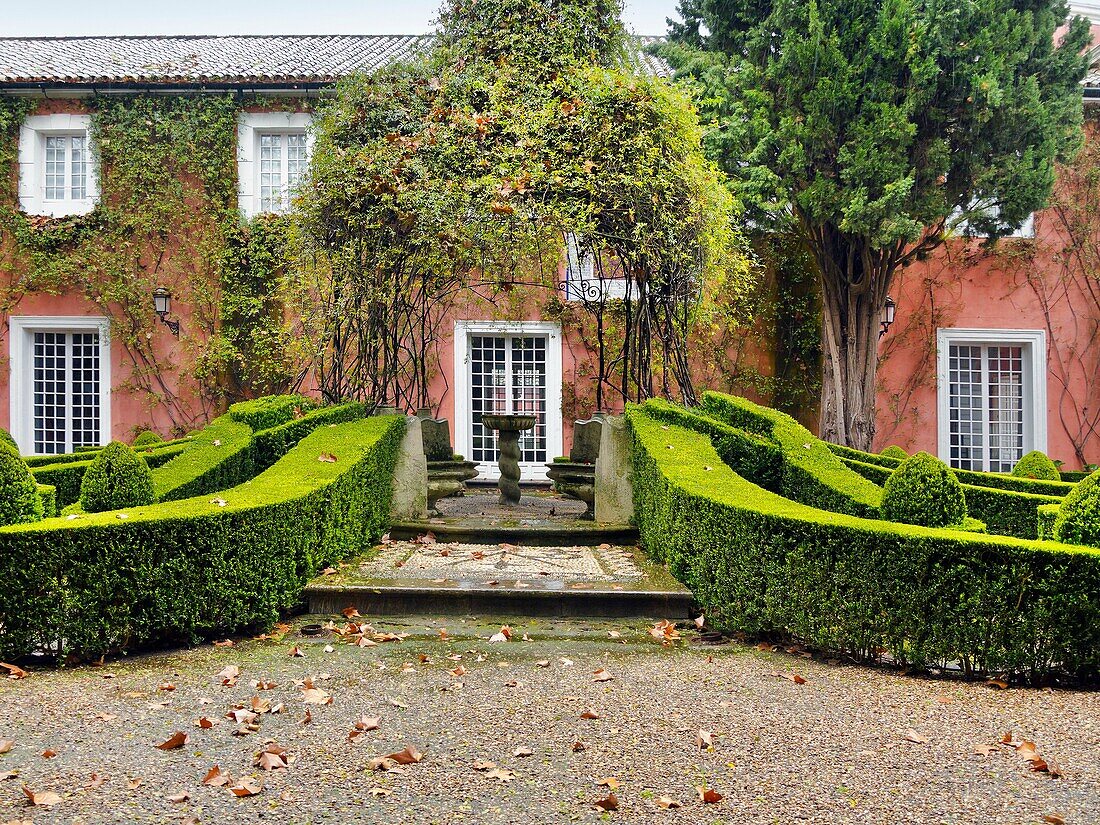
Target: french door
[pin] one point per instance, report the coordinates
(510, 372)
(60, 386)
(993, 404)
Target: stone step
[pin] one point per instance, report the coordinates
(398, 600)
(494, 532)
(454, 578)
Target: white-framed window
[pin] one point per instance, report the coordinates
(1024, 230)
(992, 400)
(60, 385)
(508, 367)
(57, 167)
(273, 152)
(581, 281)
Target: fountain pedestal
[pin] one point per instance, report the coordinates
(508, 427)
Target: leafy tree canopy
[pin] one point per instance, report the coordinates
(468, 167)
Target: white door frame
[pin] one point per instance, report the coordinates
(463, 332)
(1034, 342)
(21, 370)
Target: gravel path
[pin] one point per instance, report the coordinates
(834, 749)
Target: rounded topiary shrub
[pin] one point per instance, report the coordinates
(117, 478)
(19, 499)
(1078, 520)
(894, 451)
(1036, 465)
(147, 439)
(5, 438)
(923, 490)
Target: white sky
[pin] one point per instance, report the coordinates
(25, 18)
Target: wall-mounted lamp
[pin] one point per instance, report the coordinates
(162, 305)
(887, 317)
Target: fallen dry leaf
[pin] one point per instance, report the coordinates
(1054, 819)
(503, 774)
(610, 782)
(408, 756)
(246, 786)
(14, 671)
(601, 675)
(296, 652)
(611, 803)
(215, 778)
(999, 684)
(708, 795)
(316, 696)
(96, 780)
(181, 796)
(6, 745)
(134, 784)
(912, 736)
(589, 714)
(523, 751)
(327, 458)
(176, 740)
(704, 739)
(204, 723)
(271, 758)
(666, 802)
(41, 799)
(579, 746)
(49, 753)
(380, 792)
(224, 643)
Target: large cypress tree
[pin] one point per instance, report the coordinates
(873, 129)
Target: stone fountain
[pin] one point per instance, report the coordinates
(508, 427)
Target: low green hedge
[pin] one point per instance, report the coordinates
(118, 477)
(47, 494)
(201, 567)
(761, 563)
(227, 452)
(1036, 465)
(1047, 514)
(1005, 512)
(811, 473)
(67, 475)
(271, 410)
(1001, 481)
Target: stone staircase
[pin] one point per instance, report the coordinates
(478, 558)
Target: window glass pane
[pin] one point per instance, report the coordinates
(55, 167)
(297, 159)
(271, 173)
(49, 365)
(986, 407)
(79, 168)
(85, 389)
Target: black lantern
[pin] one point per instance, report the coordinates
(162, 305)
(887, 317)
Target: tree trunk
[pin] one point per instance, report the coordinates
(854, 281)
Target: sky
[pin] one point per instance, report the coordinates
(81, 17)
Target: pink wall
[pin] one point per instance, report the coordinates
(1021, 284)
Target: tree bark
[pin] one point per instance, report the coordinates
(854, 281)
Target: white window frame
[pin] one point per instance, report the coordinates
(1034, 345)
(1024, 230)
(32, 165)
(250, 126)
(21, 378)
(582, 282)
(463, 332)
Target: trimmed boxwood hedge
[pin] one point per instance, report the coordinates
(271, 410)
(810, 473)
(1001, 481)
(192, 569)
(66, 474)
(1004, 512)
(923, 490)
(227, 452)
(1047, 515)
(117, 478)
(1078, 518)
(1036, 465)
(761, 563)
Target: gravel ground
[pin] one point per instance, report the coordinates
(833, 749)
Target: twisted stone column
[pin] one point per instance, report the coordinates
(508, 444)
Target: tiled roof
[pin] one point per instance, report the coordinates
(232, 60)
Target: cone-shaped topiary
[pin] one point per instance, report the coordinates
(1036, 465)
(894, 451)
(1078, 520)
(147, 439)
(923, 490)
(19, 499)
(117, 478)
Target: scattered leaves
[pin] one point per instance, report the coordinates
(611, 803)
(708, 795)
(41, 799)
(246, 786)
(666, 802)
(215, 778)
(601, 675)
